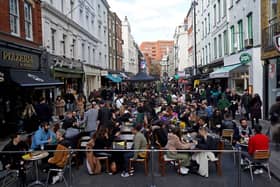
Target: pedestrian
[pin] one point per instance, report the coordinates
(255, 109)
(43, 110)
(245, 103)
(70, 100)
(90, 120)
(275, 121)
(60, 107)
(104, 116)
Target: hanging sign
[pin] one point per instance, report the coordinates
(276, 40)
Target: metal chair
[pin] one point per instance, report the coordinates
(8, 177)
(68, 166)
(144, 161)
(260, 158)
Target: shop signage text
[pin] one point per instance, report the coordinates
(276, 40)
(2, 77)
(245, 58)
(18, 59)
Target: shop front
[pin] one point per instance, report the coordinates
(242, 71)
(92, 79)
(68, 71)
(21, 79)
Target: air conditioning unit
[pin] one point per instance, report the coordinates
(248, 43)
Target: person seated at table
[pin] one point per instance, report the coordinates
(139, 143)
(201, 122)
(14, 161)
(174, 144)
(42, 136)
(243, 132)
(257, 142)
(204, 142)
(69, 120)
(60, 157)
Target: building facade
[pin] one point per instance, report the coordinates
(24, 75)
(130, 51)
(76, 36)
(156, 50)
(180, 47)
(270, 54)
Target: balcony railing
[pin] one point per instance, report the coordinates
(267, 36)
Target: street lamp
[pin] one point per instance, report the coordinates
(194, 3)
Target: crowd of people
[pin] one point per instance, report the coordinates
(172, 119)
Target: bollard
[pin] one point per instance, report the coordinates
(152, 163)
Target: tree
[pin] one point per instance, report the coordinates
(155, 69)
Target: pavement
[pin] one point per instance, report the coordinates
(229, 177)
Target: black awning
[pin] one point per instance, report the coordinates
(33, 78)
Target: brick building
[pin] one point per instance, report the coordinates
(156, 49)
(23, 68)
(270, 54)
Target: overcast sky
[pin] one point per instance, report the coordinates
(151, 20)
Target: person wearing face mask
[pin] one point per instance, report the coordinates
(42, 136)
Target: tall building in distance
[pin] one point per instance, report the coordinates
(130, 49)
(156, 49)
(115, 41)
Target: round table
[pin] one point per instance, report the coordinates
(36, 156)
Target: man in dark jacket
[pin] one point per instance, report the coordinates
(43, 110)
(275, 120)
(104, 116)
(245, 103)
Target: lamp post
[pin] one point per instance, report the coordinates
(194, 3)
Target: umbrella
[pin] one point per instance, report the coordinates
(142, 77)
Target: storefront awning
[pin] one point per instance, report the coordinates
(33, 78)
(223, 72)
(113, 78)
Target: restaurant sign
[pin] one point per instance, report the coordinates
(276, 40)
(245, 58)
(2, 79)
(18, 59)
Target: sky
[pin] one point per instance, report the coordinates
(151, 20)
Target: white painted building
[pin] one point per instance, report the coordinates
(130, 51)
(245, 39)
(75, 33)
(181, 47)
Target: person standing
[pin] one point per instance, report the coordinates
(275, 121)
(234, 99)
(245, 103)
(104, 116)
(60, 107)
(70, 100)
(90, 119)
(43, 111)
(255, 109)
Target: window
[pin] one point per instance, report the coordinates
(202, 29)
(209, 23)
(99, 10)
(71, 8)
(202, 57)
(83, 51)
(64, 44)
(14, 17)
(219, 10)
(240, 32)
(225, 8)
(231, 3)
(209, 51)
(53, 37)
(225, 43)
(232, 39)
(62, 6)
(273, 8)
(205, 23)
(93, 56)
(215, 48)
(206, 55)
(220, 46)
(74, 48)
(215, 15)
(250, 26)
(89, 55)
(28, 20)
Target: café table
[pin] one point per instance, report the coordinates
(121, 145)
(35, 157)
(125, 129)
(125, 137)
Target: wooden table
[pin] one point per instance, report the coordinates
(36, 156)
